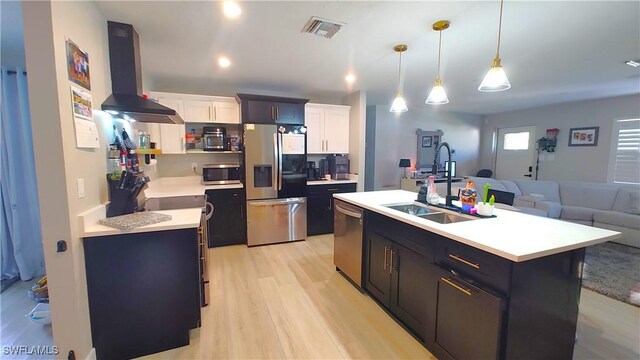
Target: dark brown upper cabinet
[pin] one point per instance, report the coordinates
(259, 109)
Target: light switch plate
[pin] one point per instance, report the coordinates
(80, 188)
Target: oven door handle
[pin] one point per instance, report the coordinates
(210, 209)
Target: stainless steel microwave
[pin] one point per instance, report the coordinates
(220, 174)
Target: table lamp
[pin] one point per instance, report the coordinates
(405, 163)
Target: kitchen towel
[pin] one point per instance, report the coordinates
(135, 220)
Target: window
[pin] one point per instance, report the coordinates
(624, 159)
(516, 141)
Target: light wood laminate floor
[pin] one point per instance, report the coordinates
(287, 301)
(17, 329)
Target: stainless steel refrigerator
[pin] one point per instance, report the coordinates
(276, 183)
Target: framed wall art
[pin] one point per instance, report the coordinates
(427, 141)
(586, 136)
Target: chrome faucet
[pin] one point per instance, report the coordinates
(434, 169)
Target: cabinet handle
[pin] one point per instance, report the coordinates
(391, 261)
(210, 113)
(273, 116)
(215, 113)
(466, 262)
(461, 289)
(277, 113)
(384, 265)
(327, 144)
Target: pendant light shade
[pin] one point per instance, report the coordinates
(496, 79)
(438, 96)
(399, 105)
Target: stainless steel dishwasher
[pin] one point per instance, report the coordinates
(347, 240)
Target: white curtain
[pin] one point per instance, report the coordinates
(20, 233)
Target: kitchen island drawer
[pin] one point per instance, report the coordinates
(474, 264)
(468, 322)
(418, 240)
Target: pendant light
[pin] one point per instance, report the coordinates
(399, 105)
(438, 96)
(496, 79)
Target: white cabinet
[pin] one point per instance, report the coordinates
(314, 120)
(201, 108)
(214, 109)
(172, 139)
(171, 135)
(198, 111)
(336, 130)
(327, 129)
(226, 111)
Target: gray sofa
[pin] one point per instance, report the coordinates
(608, 206)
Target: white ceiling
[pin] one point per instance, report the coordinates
(552, 51)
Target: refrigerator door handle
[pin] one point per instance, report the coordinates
(275, 170)
(279, 161)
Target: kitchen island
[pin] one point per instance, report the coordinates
(144, 285)
(506, 287)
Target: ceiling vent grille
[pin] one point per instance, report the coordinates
(322, 27)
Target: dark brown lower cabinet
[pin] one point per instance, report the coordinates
(399, 279)
(410, 288)
(378, 280)
(227, 225)
(468, 319)
(320, 206)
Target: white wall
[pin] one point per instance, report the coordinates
(180, 165)
(567, 163)
(357, 127)
(395, 138)
(58, 162)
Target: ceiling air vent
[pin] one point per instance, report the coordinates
(322, 27)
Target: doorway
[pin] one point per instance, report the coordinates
(515, 153)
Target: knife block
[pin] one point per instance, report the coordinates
(121, 201)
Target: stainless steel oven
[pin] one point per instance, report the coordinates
(220, 174)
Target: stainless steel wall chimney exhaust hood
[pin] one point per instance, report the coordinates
(126, 80)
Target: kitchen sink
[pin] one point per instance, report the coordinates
(411, 209)
(174, 202)
(446, 218)
(433, 214)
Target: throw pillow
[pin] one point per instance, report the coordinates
(634, 206)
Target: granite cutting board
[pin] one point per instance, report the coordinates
(135, 220)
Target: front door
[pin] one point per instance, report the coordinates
(515, 153)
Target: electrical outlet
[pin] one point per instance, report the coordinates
(194, 166)
(80, 188)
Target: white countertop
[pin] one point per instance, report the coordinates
(180, 219)
(158, 188)
(331, 182)
(511, 234)
(182, 186)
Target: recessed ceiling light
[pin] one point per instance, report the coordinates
(224, 62)
(231, 9)
(633, 63)
(350, 78)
